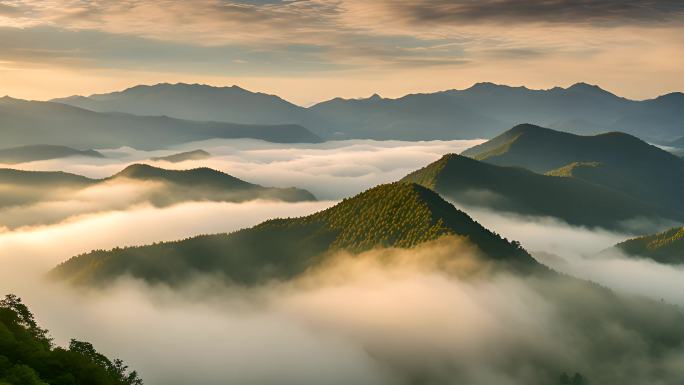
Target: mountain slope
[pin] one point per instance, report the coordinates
(42, 152)
(395, 215)
(521, 191)
(614, 160)
(28, 123)
(665, 247)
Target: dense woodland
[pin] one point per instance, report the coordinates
(29, 357)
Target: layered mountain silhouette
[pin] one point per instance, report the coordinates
(477, 112)
(183, 156)
(23, 154)
(664, 247)
(165, 186)
(616, 161)
(521, 191)
(30, 122)
(393, 215)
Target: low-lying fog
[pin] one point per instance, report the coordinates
(330, 170)
(355, 320)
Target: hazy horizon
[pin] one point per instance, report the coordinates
(359, 97)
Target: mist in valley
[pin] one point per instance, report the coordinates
(435, 314)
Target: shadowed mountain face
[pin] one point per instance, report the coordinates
(615, 160)
(183, 156)
(28, 123)
(42, 152)
(395, 215)
(476, 112)
(517, 190)
(665, 247)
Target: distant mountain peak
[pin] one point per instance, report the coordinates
(375, 97)
(489, 86)
(589, 88)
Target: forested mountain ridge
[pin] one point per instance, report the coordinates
(394, 215)
(521, 191)
(617, 161)
(664, 247)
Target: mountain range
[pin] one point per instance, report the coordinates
(480, 111)
(394, 215)
(616, 161)
(513, 189)
(31, 122)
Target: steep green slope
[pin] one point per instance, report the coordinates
(398, 214)
(665, 247)
(521, 191)
(42, 152)
(31, 122)
(28, 356)
(614, 160)
(183, 156)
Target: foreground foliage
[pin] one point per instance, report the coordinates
(29, 357)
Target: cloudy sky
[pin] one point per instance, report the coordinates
(311, 50)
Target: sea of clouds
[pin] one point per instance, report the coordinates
(386, 317)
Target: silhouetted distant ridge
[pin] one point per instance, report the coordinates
(29, 123)
(479, 111)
